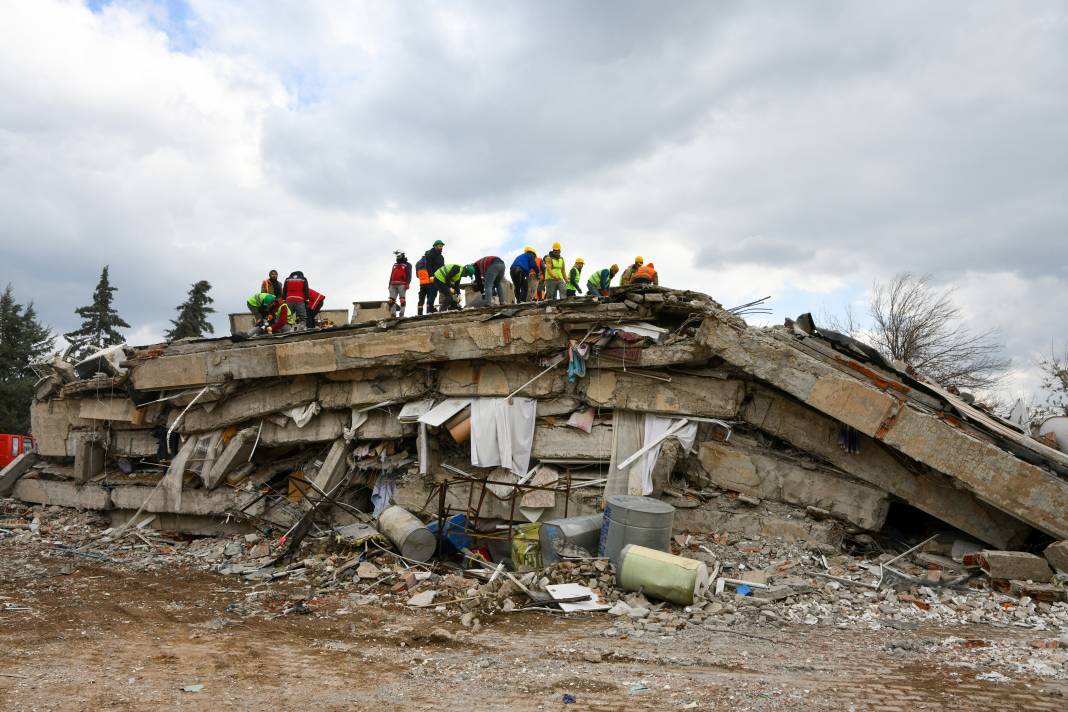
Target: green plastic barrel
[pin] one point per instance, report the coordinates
(658, 574)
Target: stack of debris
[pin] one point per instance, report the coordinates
(488, 423)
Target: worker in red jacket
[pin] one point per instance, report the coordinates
(296, 295)
(315, 305)
(280, 320)
(400, 278)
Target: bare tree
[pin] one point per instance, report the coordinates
(920, 325)
(1055, 382)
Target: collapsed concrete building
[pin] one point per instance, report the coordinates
(528, 412)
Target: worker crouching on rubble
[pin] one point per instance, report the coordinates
(601, 281)
(447, 281)
(315, 305)
(400, 279)
(574, 276)
(281, 320)
(646, 274)
(260, 304)
(296, 296)
(488, 273)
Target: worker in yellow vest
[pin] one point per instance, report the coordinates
(555, 274)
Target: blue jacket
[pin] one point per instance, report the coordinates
(601, 279)
(525, 262)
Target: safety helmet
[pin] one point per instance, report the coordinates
(556, 245)
(439, 243)
(469, 270)
(531, 250)
(652, 266)
(613, 269)
(638, 260)
(580, 261)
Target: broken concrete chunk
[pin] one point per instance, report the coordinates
(1057, 556)
(1015, 565)
(422, 599)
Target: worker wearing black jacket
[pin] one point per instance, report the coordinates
(432, 260)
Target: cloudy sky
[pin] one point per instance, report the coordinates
(795, 149)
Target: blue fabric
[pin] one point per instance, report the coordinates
(576, 368)
(525, 261)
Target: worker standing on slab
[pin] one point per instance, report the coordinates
(489, 271)
(260, 305)
(600, 281)
(433, 260)
(628, 274)
(447, 282)
(271, 285)
(537, 280)
(315, 305)
(296, 296)
(646, 274)
(555, 273)
(522, 272)
(574, 276)
(400, 278)
(427, 292)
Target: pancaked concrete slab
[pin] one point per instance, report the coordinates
(684, 395)
(497, 379)
(197, 525)
(193, 501)
(62, 493)
(758, 524)
(350, 394)
(563, 442)
(815, 433)
(251, 404)
(1027, 492)
(743, 469)
(142, 442)
(121, 409)
(335, 468)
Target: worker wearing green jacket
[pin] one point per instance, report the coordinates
(573, 277)
(260, 305)
(447, 279)
(600, 281)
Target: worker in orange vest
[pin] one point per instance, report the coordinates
(646, 274)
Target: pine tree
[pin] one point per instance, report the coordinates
(193, 314)
(23, 340)
(100, 322)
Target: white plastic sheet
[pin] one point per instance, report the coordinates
(502, 433)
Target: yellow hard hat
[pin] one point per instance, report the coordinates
(531, 250)
(556, 245)
(614, 268)
(638, 260)
(580, 261)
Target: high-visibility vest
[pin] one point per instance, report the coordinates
(449, 274)
(258, 301)
(555, 268)
(645, 271)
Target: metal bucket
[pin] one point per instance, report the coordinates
(658, 574)
(629, 519)
(560, 534)
(412, 539)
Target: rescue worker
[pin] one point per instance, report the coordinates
(600, 281)
(400, 278)
(646, 274)
(574, 276)
(260, 305)
(523, 270)
(315, 305)
(537, 280)
(281, 319)
(271, 285)
(488, 273)
(432, 260)
(447, 281)
(296, 296)
(555, 273)
(427, 292)
(628, 274)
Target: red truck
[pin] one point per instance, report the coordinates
(11, 446)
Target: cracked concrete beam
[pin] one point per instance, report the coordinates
(251, 404)
(812, 431)
(684, 395)
(1020, 489)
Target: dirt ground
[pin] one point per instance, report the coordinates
(78, 635)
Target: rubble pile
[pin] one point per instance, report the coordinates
(782, 451)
